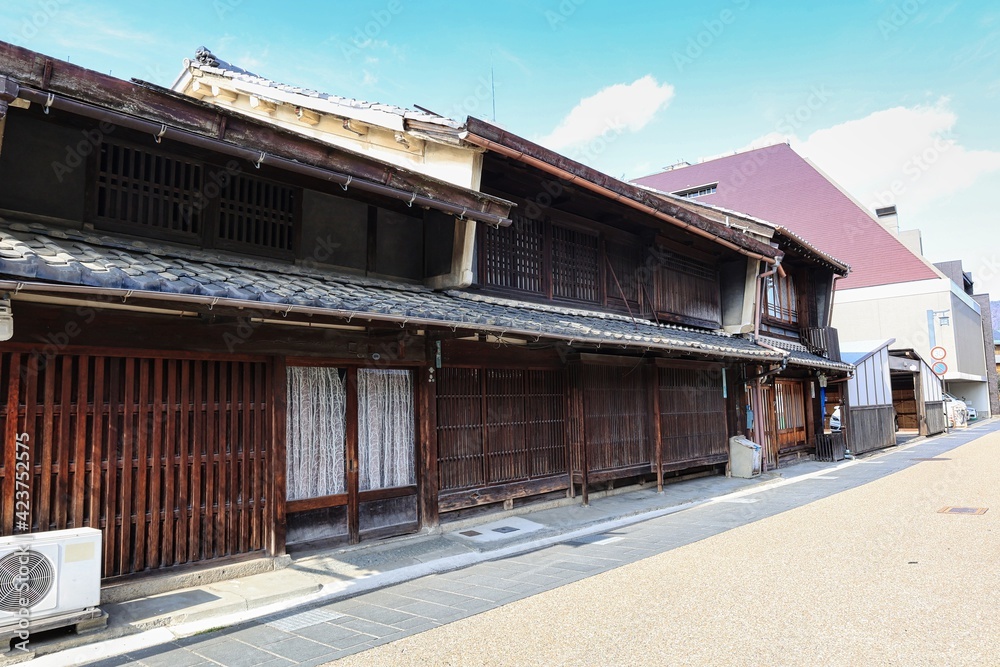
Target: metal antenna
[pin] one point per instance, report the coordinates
(493, 88)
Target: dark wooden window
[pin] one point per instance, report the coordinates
(692, 415)
(256, 215)
(556, 261)
(622, 282)
(145, 192)
(687, 290)
(497, 426)
(514, 256)
(616, 417)
(148, 193)
(781, 301)
(576, 270)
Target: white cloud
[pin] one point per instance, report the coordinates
(904, 155)
(621, 107)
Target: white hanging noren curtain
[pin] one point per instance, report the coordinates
(317, 402)
(385, 429)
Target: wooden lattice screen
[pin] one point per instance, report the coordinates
(576, 272)
(497, 426)
(514, 256)
(616, 417)
(790, 413)
(624, 275)
(137, 187)
(168, 457)
(255, 214)
(685, 287)
(692, 415)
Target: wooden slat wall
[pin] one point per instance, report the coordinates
(169, 457)
(687, 288)
(937, 422)
(616, 417)
(790, 417)
(870, 428)
(496, 426)
(692, 414)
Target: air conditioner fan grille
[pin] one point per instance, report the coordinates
(25, 578)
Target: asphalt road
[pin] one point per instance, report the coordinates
(874, 575)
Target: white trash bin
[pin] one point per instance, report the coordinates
(744, 457)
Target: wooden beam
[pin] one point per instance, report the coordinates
(653, 388)
(428, 481)
(351, 455)
(307, 116)
(278, 463)
(263, 106)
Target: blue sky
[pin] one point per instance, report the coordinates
(881, 94)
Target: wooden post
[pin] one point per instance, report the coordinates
(428, 444)
(278, 464)
(351, 455)
(10, 439)
(653, 387)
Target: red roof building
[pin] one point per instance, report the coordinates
(778, 185)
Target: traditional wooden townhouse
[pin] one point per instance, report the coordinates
(229, 337)
(793, 313)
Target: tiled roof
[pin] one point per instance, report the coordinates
(777, 185)
(36, 253)
(798, 355)
(388, 115)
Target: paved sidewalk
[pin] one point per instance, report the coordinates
(551, 548)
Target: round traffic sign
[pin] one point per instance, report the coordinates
(938, 353)
(940, 367)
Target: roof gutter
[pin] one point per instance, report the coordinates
(521, 156)
(161, 131)
(19, 287)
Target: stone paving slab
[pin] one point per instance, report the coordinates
(375, 618)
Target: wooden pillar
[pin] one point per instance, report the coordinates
(351, 455)
(428, 444)
(10, 442)
(653, 389)
(278, 467)
(808, 387)
(578, 438)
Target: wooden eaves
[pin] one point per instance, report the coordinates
(149, 108)
(486, 135)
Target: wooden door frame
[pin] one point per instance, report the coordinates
(354, 496)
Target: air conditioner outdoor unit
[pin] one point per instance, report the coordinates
(48, 580)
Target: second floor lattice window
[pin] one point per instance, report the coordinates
(514, 256)
(576, 268)
(142, 191)
(257, 214)
(780, 300)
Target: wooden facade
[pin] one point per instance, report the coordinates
(193, 421)
(169, 455)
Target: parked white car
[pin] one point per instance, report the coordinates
(835, 419)
(955, 410)
(973, 415)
